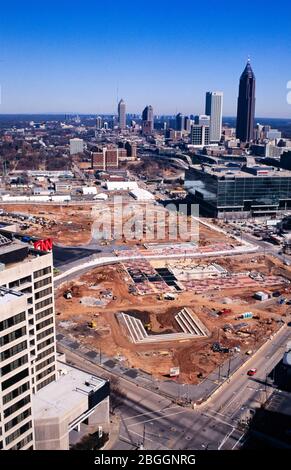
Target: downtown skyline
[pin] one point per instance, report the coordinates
(83, 61)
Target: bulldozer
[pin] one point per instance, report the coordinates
(148, 326)
(92, 324)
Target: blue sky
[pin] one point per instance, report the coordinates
(72, 56)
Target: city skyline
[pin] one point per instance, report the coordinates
(88, 59)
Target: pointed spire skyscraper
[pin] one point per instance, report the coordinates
(246, 105)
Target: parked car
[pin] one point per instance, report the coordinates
(252, 372)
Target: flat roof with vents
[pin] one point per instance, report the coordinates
(7, 295)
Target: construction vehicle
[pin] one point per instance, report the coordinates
(245, 316)
(216, 347)
(68, 294)
(26, 239)
(169, 296)
(225, 311)
(148, 326)
(92, 324)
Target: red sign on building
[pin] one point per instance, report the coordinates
(43, 245)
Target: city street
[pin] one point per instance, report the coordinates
(158, 423)
(155, 421)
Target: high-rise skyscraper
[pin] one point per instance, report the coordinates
(148, 120)
(27, 337)
(99, 122)
(148, 114)
(213, 108)
(187, 124)
(180, 122)
(40, 397)
(246, 105)
(121, 115)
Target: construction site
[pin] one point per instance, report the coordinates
(187, 314)
(165, 302)
(66, 224)
(131, 223)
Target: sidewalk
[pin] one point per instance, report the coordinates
(113, 432)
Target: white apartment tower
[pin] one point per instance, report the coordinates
(16, 422)
(99, 122)
(76, 146)
(27, 336)
(42, 400)
(213, 108)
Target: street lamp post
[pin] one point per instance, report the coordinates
(228, 372)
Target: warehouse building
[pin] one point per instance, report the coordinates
(142, 195)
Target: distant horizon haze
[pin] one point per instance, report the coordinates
(95, 115)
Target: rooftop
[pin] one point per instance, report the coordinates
(225, 171)
(15, 248)
(64, 395)
(7, 295)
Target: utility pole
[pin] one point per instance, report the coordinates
(266, 392)
(228, 372)
(142, 447)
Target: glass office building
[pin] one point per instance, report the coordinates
(250, 191)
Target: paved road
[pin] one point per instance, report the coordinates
(243, 394)
(67, 257)
(265, 247)
(162, 424)
(64, 255)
